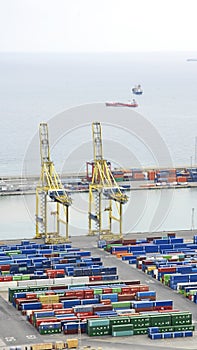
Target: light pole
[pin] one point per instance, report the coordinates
(192, 223)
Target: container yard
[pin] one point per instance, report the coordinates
(103, 299)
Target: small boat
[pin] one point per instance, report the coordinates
(137, 90)
(192, 59)
(122, 104)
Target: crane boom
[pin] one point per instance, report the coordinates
(44, 143)
(97, 141)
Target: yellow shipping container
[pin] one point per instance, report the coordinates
(59, 345)
(42, 346)
(49, 299)
(151, 268)
(72, 343)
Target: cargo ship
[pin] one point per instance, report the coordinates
(122, 104)
(137, 90)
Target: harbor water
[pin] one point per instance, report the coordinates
(146, 211)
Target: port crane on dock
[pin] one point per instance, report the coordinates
(105, 195)
(50, 189)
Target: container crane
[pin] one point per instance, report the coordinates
(103, 192)
(50, 189)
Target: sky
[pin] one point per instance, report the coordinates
(98, 25)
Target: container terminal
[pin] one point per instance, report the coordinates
(16, 330)
(131, 179)
(118, 291)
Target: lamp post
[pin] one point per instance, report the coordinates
(192, 223)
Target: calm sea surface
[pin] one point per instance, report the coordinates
(69, 92)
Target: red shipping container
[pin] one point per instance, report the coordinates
(64, 311)
(167, 269)
(31, 295)
(83, 314)
(102, 308)
(135, 289)
(125, 290)
(57, 306)
(5, 267)
(50, 292)
(106, 301)
(107, 290)
(95, 278)
(79, 294)
(125, 297)
(87, 317)
(143, 288)
(131, 283)
(89, 294)
(162, 308)
(60, 272)
(70, 331)
(38, 321)
(69, 294)
(7, 278)
(142, 309)
(46, 306)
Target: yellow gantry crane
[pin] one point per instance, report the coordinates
(50, 189)
(105, 195)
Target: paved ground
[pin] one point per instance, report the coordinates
(14, 330)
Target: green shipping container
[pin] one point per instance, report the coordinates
(181, 318)
(122, 334)
(12, 252)
(166, 329)
(17, 278)
(157, 320)
(119, 320)
(98, 291)
(140, 331)
(140, 321)
(5, 273)
(98, 322)
(184, 328)
(122, 327)
(98, 331)
(25, 277)
(116, 290)
(50, 331)
(121, 304)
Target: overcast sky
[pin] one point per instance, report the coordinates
(98, 25)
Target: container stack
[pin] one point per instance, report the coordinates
(166, 175)
(31, 261)
(114, 309)
(169, 259)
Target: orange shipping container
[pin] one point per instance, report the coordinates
(151, 174)
(181, 179)
(138, 176)
(171, 179)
